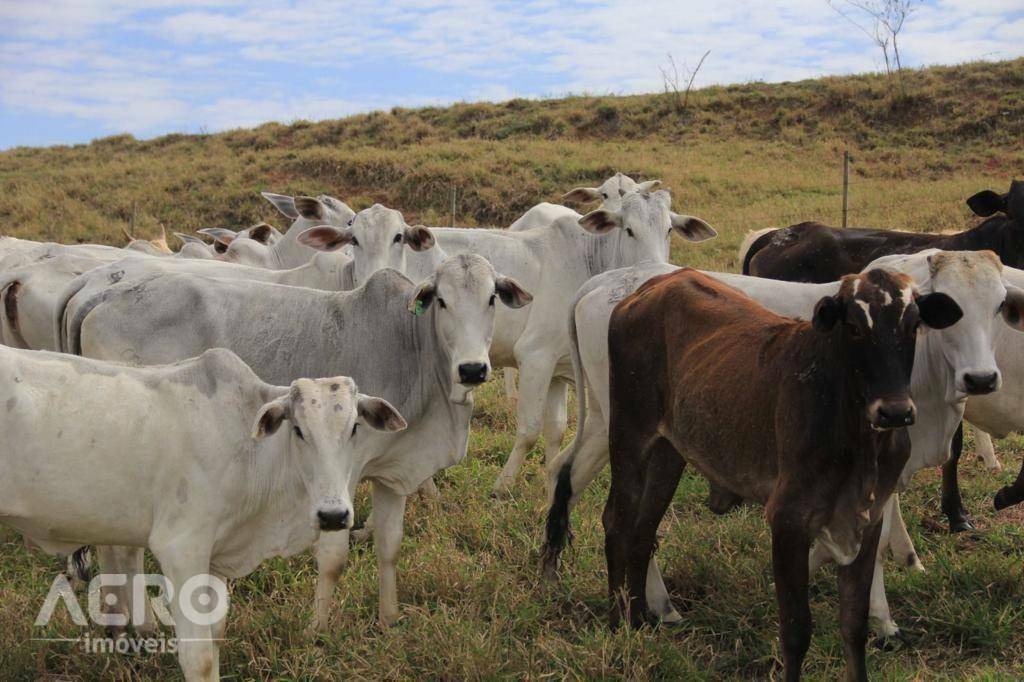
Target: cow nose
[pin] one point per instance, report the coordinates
(894, 414)
(334, 519)
(472, 373)
(981, 383)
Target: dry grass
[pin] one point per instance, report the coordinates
(474, 607)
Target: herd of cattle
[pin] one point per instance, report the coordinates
(144, 391)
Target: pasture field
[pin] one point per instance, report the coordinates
(474, 605)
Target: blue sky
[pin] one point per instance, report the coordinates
(74, 70)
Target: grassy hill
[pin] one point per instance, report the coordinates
(474, 607)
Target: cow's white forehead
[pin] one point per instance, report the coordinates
(378, 215)
(465, 272)
(331, 398)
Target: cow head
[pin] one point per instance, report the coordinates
(379, 238)
(874, 320)
(611, 191)
(645, 223)
(973, 279)
(1010, 225)
(326, 416)
(462, 297)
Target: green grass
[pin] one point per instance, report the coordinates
(473, 604)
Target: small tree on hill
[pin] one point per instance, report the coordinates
(881, 21)
(672, 79)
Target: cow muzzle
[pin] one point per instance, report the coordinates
(980, 383)
(892, 414)
(333, 518)
(473, 373)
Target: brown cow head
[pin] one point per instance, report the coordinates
(874, 320)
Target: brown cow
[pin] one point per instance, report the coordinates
(805, 417)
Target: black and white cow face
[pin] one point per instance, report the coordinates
(326, 416)
(379, 238)
(875, 319)
(646, 223)
(463, 295)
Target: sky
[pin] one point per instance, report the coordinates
(75, 70)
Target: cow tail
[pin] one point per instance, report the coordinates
(557, 533)
(78, 564)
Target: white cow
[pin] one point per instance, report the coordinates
(943, 359)
(214, 498)
(423, 348)
(609, 193)
(552, 263)
(288, 252)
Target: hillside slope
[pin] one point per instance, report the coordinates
(741, 156)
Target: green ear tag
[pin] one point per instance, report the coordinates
(418, 308)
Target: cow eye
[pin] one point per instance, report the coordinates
(491, 302)
(298, 432)
(354, 427)
(355, 242)
(855, 331)
(398, 239)
(440, 302)
(629, 231)
(604, 195)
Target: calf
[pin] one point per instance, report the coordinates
(423, 348)
(213, 499)
(806, 417)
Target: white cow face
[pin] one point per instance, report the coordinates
(326, 416)
(379, 238)
(247, 247)
(611, 191)
(463, 295)
(646, 223)
(974, 280)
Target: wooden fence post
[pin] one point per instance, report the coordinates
(846, 184)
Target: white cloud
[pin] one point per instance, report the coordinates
(151, 66)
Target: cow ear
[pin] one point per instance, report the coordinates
(284, 204)
(336, 206)
(161, 241)
(512, 295)
(648, 186)
(422, 297)
(378, 413)
(987, 202)
(221, 235)
(692, 229)
(1012, 308)
(601, 221)
(325, 237)
(827, 312)
(188, 239)
(418, 237)
(309, 208)
(263, 233)
(582, 195)
(938, 310)
(270, 416)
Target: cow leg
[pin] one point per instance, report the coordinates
(428, 489)
(664, 468)
(899, 539)
(619, 512)
(985, 450)
(952, 504)
(1012, 494)
(658, 600)
(534, 379)
(331, 557)
(126, 561)
(180, 562)
(389, 508)
(878, 603)
(555, 417)
(854, 594)
(790, 549)
(509, 376)
(568, 477)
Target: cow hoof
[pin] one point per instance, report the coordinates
(549, 569)
(893, 642)
(914, 563)
(995, 467)
(960, 526)
(1001, 500)
(501, 494)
